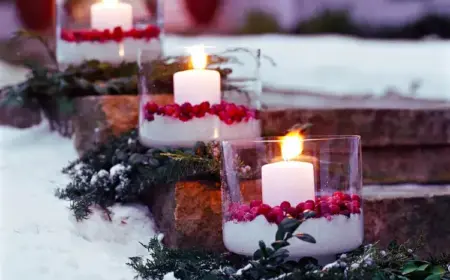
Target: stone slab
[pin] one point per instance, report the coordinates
(407, 213)
(377, 127)
(189, 215)
(406, 164)
(98, 117)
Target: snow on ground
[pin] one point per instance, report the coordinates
(39, 237)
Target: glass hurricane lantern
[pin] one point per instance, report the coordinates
(188, 95)
(109, 31)
(266, 180)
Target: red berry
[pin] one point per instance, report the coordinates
(204, 106)
(168, 110)
(292, 212)
(228, 121)
(338, 194)
(244, 208)
(285, 205)
(149, 116)
(264, 209)
(240, 215)
(186, 108)
(324, 208)
(271, 217)
(184, 118)
(309, 205)
(255, 203)
(300, 207)
(334, 200)
(346, 197)
(324, 198)
(277, 209)
(249, 217)
(334, 209)
(151, 107)
(356, 197)
(117, 34)
(106, 34)
(356, 204)
(254, 210)
(356, 210)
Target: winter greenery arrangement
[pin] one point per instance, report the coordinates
(271, 262)
(123, 170)
(52, 90)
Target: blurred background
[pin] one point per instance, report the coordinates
(404, 48)
(386, 19)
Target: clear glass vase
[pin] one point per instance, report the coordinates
(199, 94)
(109, 31)
(317, 181)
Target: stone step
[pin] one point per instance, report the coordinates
(189, 214)
(407, 212)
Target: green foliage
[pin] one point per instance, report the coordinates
(259, 22)
(267, 262)
(123, 171)
(396, 262)
(338, 22)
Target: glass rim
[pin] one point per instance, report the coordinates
(278, 139)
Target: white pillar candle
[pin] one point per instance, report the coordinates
(197, 85)
(110, 14)
(288, 180)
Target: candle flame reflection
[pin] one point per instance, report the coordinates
(199, 58)
(292, 145)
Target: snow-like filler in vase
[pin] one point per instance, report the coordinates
(113, 46)
(184, 125)
(165, 131)
(112, 52)
(338, 235)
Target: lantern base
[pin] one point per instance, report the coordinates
(338, 235)
(168, 131)
(112, 52)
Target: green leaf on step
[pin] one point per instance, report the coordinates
(409, 268)
(305, 237)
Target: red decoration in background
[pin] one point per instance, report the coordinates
(36, 15)
(117, 34)
(203, 11)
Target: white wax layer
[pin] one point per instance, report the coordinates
(111, 15)
(113, 52)
(196, 86)
(339, 235)
(167, 131)
(291, 181)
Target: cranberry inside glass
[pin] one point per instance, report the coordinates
(196, 93)
(315, 180)
(109, 31)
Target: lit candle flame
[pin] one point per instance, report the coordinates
(292, 145)
(199, 58)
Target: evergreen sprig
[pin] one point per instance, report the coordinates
(123, 170)
(396, 262)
